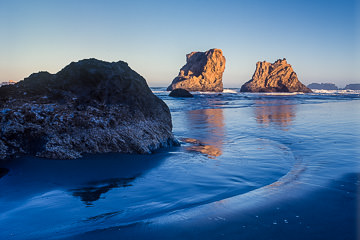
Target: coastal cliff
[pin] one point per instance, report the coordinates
(90, 106)
(203, 72)
(274, 77)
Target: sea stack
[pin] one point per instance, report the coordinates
(202, 72)
(274, 77)
(90, 106)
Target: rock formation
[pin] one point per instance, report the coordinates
(202, 72)
(90, 106)
(179, 92)
(323, 86)
(276, 77)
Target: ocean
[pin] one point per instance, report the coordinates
(250, 166)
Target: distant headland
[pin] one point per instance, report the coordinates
(323, 86)
(332, 86)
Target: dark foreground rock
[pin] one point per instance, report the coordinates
(179, 92)
(203, 72)
(274, 77)
(90, 106)
(323, 86)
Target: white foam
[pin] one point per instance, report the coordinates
(347, 91)
(208, 93)
(230, 91)
(156, 91)
(283, 93)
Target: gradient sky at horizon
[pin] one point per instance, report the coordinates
(319, 38)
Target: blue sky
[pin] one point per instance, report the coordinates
(319, 38)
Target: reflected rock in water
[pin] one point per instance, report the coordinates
(208, 126)
(94, 190)
(209, 150)
(279, 112)
(87, 179)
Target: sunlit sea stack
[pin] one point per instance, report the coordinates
(274, 77)
(90, 106)
(203, 72)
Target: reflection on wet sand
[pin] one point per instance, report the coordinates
(279, 112)
(210, 139)
(88, 179)
(94, 190)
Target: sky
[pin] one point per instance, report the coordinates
(319, 38)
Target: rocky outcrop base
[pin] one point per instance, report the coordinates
(61, 132)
